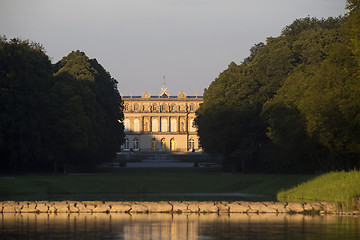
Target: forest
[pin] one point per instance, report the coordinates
(293, 105)
(55, 117)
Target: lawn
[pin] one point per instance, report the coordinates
(147, 184)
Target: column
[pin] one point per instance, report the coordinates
(169, 124)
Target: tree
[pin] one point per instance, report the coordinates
(102, 106)
(323, 91)
(25, 80)
(233, 103)
(50, 120)
(293, 104)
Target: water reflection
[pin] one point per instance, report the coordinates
(174, 227)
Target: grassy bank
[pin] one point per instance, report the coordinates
(334, 186)
(147, 184)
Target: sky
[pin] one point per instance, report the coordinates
(138, 42)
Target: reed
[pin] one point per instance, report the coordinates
(342, 187)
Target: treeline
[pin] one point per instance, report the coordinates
(294, 104)
(55, 116)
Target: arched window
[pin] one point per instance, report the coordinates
(154, 108)
(126, 125)
(192, 125)
(163, 108)
(173, 125)
(172, 144)
(164, 126)
(136, 144)
(136, 125)
(154, 144)
(154, 125)
(191, 108)
(163, 144)
(191, 144)
(126, 145)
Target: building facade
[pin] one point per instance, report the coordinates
(161, 123)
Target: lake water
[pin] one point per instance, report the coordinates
(178, 226)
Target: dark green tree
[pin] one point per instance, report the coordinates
(292, 105)
(48, 121)
(233, 103)
(323, 90)
(102, 106)
(25, 80)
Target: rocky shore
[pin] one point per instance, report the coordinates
(168, 207)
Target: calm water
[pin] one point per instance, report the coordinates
(182, 226)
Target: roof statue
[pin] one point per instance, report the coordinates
(163, 92)
(181, 95)
(146, 95)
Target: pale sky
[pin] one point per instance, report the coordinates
(138, 41)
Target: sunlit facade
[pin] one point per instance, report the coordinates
(161, 123)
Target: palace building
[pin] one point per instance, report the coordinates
(161, 123)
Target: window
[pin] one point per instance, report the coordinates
(163, 144)
(126, 125)
(136, 144)
(126, 107)
(192, 125)
(173, 125)
(164, 127)
(154, 144)
(154, 108)
(126, 145)
(172, 144)
(136, 125)
(173, 108)
(136, 107)
(154, 125)
(163, 108)
(191, 144)
(191, 108)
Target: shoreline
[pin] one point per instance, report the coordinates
(244, 207)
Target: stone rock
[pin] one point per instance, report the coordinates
(330, 207)
(208, 207)
(51, 206)
(95, 206)
(263, 207)
(73, 207)
(193, 207)
(60, 207)
(174, 207)
(28, 207)
(159, 207)
(295, 207)
(119, 207)
(179, 207)
(82, 207)
(238, 207)
(42, 206)
(10, 207)
(254, 207)
(102, 208)
(223, 207)
(307, 206)
(139, 208)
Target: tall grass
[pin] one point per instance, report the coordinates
(334, 186)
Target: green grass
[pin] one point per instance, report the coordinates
(334, 186)
(145, 184)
